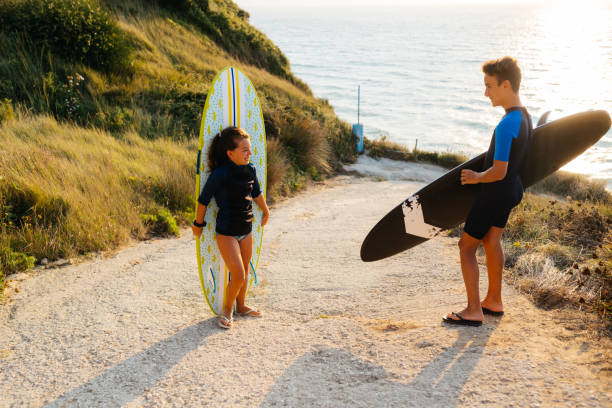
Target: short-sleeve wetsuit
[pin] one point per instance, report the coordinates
(510, 143)
(233, 187)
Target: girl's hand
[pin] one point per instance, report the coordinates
(197, 231)
(264, 219)
(469, 177)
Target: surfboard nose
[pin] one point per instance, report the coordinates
(388, 238)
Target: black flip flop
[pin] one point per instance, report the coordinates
(491, 312)
(462, 321)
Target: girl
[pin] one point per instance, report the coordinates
(234, 185)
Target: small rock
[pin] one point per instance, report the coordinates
(44, 261)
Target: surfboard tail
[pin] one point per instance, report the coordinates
(575, 133)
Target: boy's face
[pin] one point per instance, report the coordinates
(496, 92)
(242, 153)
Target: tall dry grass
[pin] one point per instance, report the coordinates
(277, 168)
(561, 252)
(65, 190)
(307, 146)
(576, 186)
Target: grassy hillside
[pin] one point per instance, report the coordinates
(100, 104)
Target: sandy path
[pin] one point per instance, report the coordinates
(134, 329)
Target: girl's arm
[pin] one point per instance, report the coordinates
(261, 202)
(200, 213)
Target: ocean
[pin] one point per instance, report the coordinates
(419, 67)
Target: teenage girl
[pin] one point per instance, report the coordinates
(234, 185)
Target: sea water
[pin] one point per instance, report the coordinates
(419, 67)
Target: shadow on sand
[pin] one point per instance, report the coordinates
(334, 377)
(130, 379)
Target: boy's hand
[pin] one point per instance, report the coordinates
(469, 177)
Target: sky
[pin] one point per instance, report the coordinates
(254, 4)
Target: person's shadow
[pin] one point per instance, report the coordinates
(335, 377)
(130, 379)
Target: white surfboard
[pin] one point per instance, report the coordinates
(231, 101)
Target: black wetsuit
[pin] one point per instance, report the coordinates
(510, 142)
(233, 188)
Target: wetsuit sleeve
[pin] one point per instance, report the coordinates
(214, 181)
(507, 130)
(256, 187)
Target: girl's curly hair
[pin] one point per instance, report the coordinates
(223, 141)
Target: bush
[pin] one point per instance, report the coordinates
(306, 144)
(13, 262)
(277, 166)
(76, 30)
(161, 223)
(6, 111)
(342, 141)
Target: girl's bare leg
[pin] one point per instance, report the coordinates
(230, 251)
(246, 248)
(246, 251)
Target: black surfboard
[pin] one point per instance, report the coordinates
(445, 203)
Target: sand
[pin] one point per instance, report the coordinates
(133, 329)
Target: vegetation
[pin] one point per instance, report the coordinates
(78, 31)
(575, 186)
(395, 151)
(108, 96)
(561, 252)
(67, 191)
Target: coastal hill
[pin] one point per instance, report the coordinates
(100, 108)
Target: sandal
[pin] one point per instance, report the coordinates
(224, 322)
(491, 312)
(251, 313)
(461, 321)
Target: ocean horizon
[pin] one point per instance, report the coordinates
(419, 67)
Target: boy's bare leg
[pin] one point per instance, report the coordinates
(495, 267)
(469, 268)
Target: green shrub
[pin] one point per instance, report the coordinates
(162, 222)
(6, 111)
(396, 151)
(341, 140)
(13, 262)
(76, 30)
(116, 119)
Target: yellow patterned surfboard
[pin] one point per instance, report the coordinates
(231, 101)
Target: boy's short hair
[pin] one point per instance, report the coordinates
(504, 68)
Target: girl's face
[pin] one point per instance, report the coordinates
(242, 153)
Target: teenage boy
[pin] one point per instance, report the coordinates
(501, 190)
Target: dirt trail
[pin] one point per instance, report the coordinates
(134, 329)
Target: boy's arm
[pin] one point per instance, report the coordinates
(494, 173)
